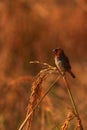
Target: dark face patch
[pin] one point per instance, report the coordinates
(57, 52)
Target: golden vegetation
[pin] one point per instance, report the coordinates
(36, 99)
(29, 30)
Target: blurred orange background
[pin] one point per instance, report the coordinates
(30, 30)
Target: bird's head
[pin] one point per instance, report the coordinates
(58, 51)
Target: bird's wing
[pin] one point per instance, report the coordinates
(65, 62)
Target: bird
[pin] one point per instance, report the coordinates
(62, 62)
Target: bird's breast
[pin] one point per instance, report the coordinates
(57, 61)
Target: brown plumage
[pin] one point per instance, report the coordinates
(62, 62)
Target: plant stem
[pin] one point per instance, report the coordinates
(27, 117)
(72, 102)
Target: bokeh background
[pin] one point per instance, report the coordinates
(29, 30)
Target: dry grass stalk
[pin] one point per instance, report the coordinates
(41, 99)
(37, 90)
(70, 116)
(79, 124)
(36, 97)
(75, 111)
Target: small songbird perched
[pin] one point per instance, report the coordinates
(62, 62)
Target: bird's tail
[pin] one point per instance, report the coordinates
(72, 74)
